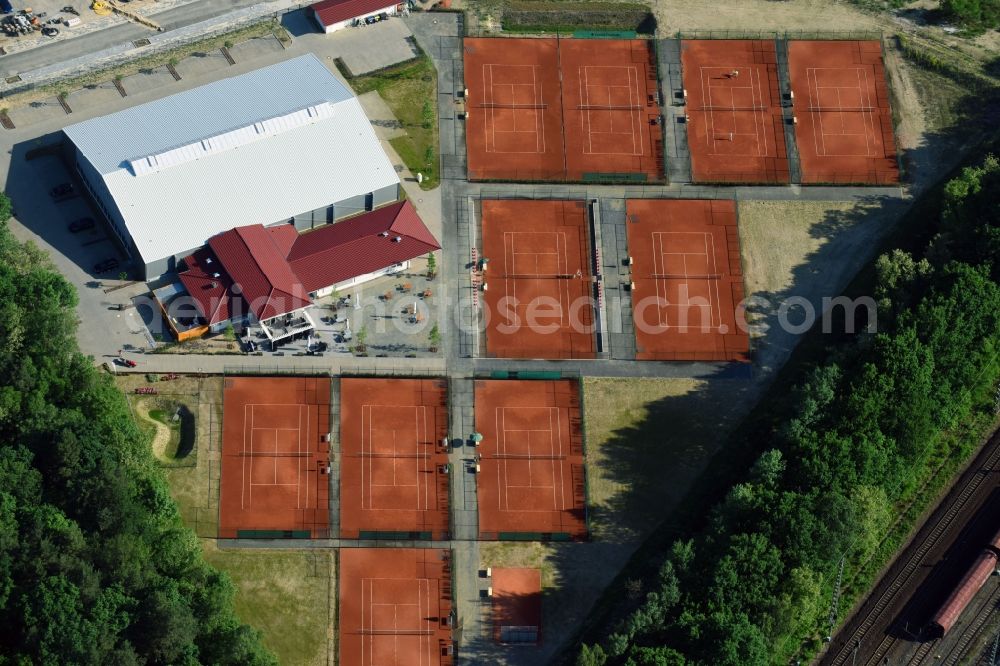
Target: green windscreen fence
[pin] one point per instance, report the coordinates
(534, 536)
(605, 177)
(389, 535)
(273, 534)
(526, 374)
(539, 374)
(604, 34)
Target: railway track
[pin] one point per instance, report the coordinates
(922, 653)
(958, 651)
(872, 613)
(978, 623)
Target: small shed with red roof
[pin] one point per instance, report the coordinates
(332, 15)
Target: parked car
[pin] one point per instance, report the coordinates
(106, 265)
(82, 224)
(61, 190)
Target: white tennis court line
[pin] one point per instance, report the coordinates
(538, 98)
(562, 264)
(562, 294)
(659, 268)
(864, 95)
(425, 633)
(632, 77)
(757, 100)
(422, 462)
(246, 496)
(536, 248)
(555, 449)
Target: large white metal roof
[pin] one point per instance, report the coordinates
(255, 148)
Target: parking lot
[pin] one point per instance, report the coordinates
(354, 45)
(47, 220)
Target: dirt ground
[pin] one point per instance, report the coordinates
(674, 15)
(287, 595)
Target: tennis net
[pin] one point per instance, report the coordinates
(602, 107)
(544, 276)
(497, 105)
(276, 454)
(683, 276)
(730, 108)
(845, 109)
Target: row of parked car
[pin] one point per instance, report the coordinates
(65, 191)
(369, 20)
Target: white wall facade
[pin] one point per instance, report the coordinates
(389, 9)
(361, 279)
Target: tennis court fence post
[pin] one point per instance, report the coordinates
(586, 461)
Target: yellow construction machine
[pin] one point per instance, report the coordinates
(106, 7)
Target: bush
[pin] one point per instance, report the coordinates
(974, 14)
(427, 117)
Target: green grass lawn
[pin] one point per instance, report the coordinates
(407, 89)
(287, 595)
(647, 441)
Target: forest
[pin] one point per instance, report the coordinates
(95, 564)
(869, 421)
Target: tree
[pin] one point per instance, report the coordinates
(95, 564)
(976, 14)
(361, 337)
(434, 336)
(591, 656)
(655, 656)
(6, 208)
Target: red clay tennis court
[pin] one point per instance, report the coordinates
(517, 606)
(688, 280)
(531, 482)
(734, 117)
(275, 462)
(843, 116)
(539, 289)
(394, 458)
(611, 109)
(395, 607)
(513, 128)
(562, 109)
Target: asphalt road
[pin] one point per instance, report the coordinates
(68, 49)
